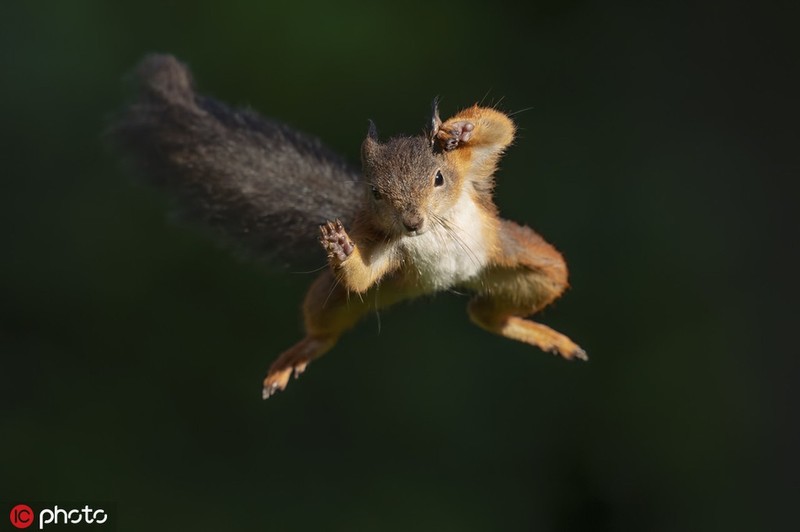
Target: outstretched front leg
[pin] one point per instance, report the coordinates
(530, 276)
(358, 264)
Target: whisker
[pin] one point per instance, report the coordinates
(461, 243)
(459, 240)
(521, 111)
(377, 312)
(480, 103)
(330, 293)
(315, 270)
(439, 236)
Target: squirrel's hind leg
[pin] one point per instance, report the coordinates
(487, 315)
(294, 361)
(329, 311)
(529, 275)
(327, 314)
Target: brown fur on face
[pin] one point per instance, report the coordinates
(400, 177)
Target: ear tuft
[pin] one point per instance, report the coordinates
(370, 145)
(436, 121)
(372, 131)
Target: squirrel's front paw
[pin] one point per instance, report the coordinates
(335, 241)
(453, 133)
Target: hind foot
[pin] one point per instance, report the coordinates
(293, 361)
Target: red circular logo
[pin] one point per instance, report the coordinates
(22, 516)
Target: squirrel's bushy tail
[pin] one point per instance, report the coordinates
(261, 181)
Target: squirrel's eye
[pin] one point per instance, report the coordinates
(376, 193)
(439, 179)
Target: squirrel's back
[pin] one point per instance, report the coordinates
(259, 180)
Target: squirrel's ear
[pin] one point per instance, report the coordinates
(370, 144)
(372, 131)
(436, 121)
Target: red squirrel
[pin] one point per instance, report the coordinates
(418, 219)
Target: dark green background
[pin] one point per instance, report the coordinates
(650, 152)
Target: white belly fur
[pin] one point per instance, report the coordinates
(441, 259)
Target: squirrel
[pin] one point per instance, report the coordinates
(419, 218)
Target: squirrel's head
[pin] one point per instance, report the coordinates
(410, 182)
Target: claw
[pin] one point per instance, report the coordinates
(299, 369)
(270, 390)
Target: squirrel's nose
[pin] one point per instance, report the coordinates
(413, 222)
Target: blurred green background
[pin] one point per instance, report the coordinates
(132, 347)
